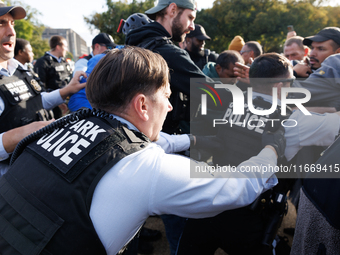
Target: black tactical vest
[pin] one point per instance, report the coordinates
(46, 195)
(241, 136)
(58, 75)
(22, 99)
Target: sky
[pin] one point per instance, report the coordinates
(70, 13)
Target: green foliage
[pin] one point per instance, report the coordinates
(264, 21)
(24, 29)
(39, 45)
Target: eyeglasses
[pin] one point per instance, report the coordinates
(244, 51)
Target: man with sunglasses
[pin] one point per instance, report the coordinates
(100, 43)
(242, 231)
(250, 51)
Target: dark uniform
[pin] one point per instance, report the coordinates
(68, 157)
(202, 58)
(22, 99)
(55, 75)
(239, 231)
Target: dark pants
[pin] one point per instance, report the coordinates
(237, 232)
(174, 226)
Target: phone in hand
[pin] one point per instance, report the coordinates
(290, 28)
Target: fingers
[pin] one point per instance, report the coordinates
(78, 74)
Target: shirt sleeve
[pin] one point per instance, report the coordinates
(51, 99)
(315, 129)
(80, 65)
(3, 153)
(173, 143)
(175, 191)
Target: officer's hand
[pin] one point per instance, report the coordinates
(302, 69)
(74, 86)
(273, 135)
(242, 72)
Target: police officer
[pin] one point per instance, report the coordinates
(242, 231)
(195, 42)
(22, 105)
(74, 168)
(52, 68)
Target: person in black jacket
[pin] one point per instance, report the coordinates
(172, 22)
(195, 42)
(52, 68)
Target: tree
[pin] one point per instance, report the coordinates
(108, 22)
(264, 21)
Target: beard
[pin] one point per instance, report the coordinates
(196, 50)
(178, 32)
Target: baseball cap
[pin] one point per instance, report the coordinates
(17, 12)
(104, 38)
(199, 33)
(186, 4)
(328, 33)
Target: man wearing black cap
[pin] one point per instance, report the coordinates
(100, 43)
(323, 44)
(22, 105)
(195, 42)
(324, 82)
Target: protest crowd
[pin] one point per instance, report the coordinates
(214, 144)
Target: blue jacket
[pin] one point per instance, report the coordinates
(79, 99)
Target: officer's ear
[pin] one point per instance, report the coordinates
(20, 52)
(140, 105)
(338, 50)
(218, 68)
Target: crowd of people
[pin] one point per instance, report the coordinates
(87, 156)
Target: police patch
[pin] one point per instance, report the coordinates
(35, 85)
(65, 146)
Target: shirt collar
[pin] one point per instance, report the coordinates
(124, 121)
(58, 59)
(12, 65)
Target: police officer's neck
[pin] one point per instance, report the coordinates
(3, 63)
(56, 53)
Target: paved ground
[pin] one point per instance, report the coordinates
(161, 246)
